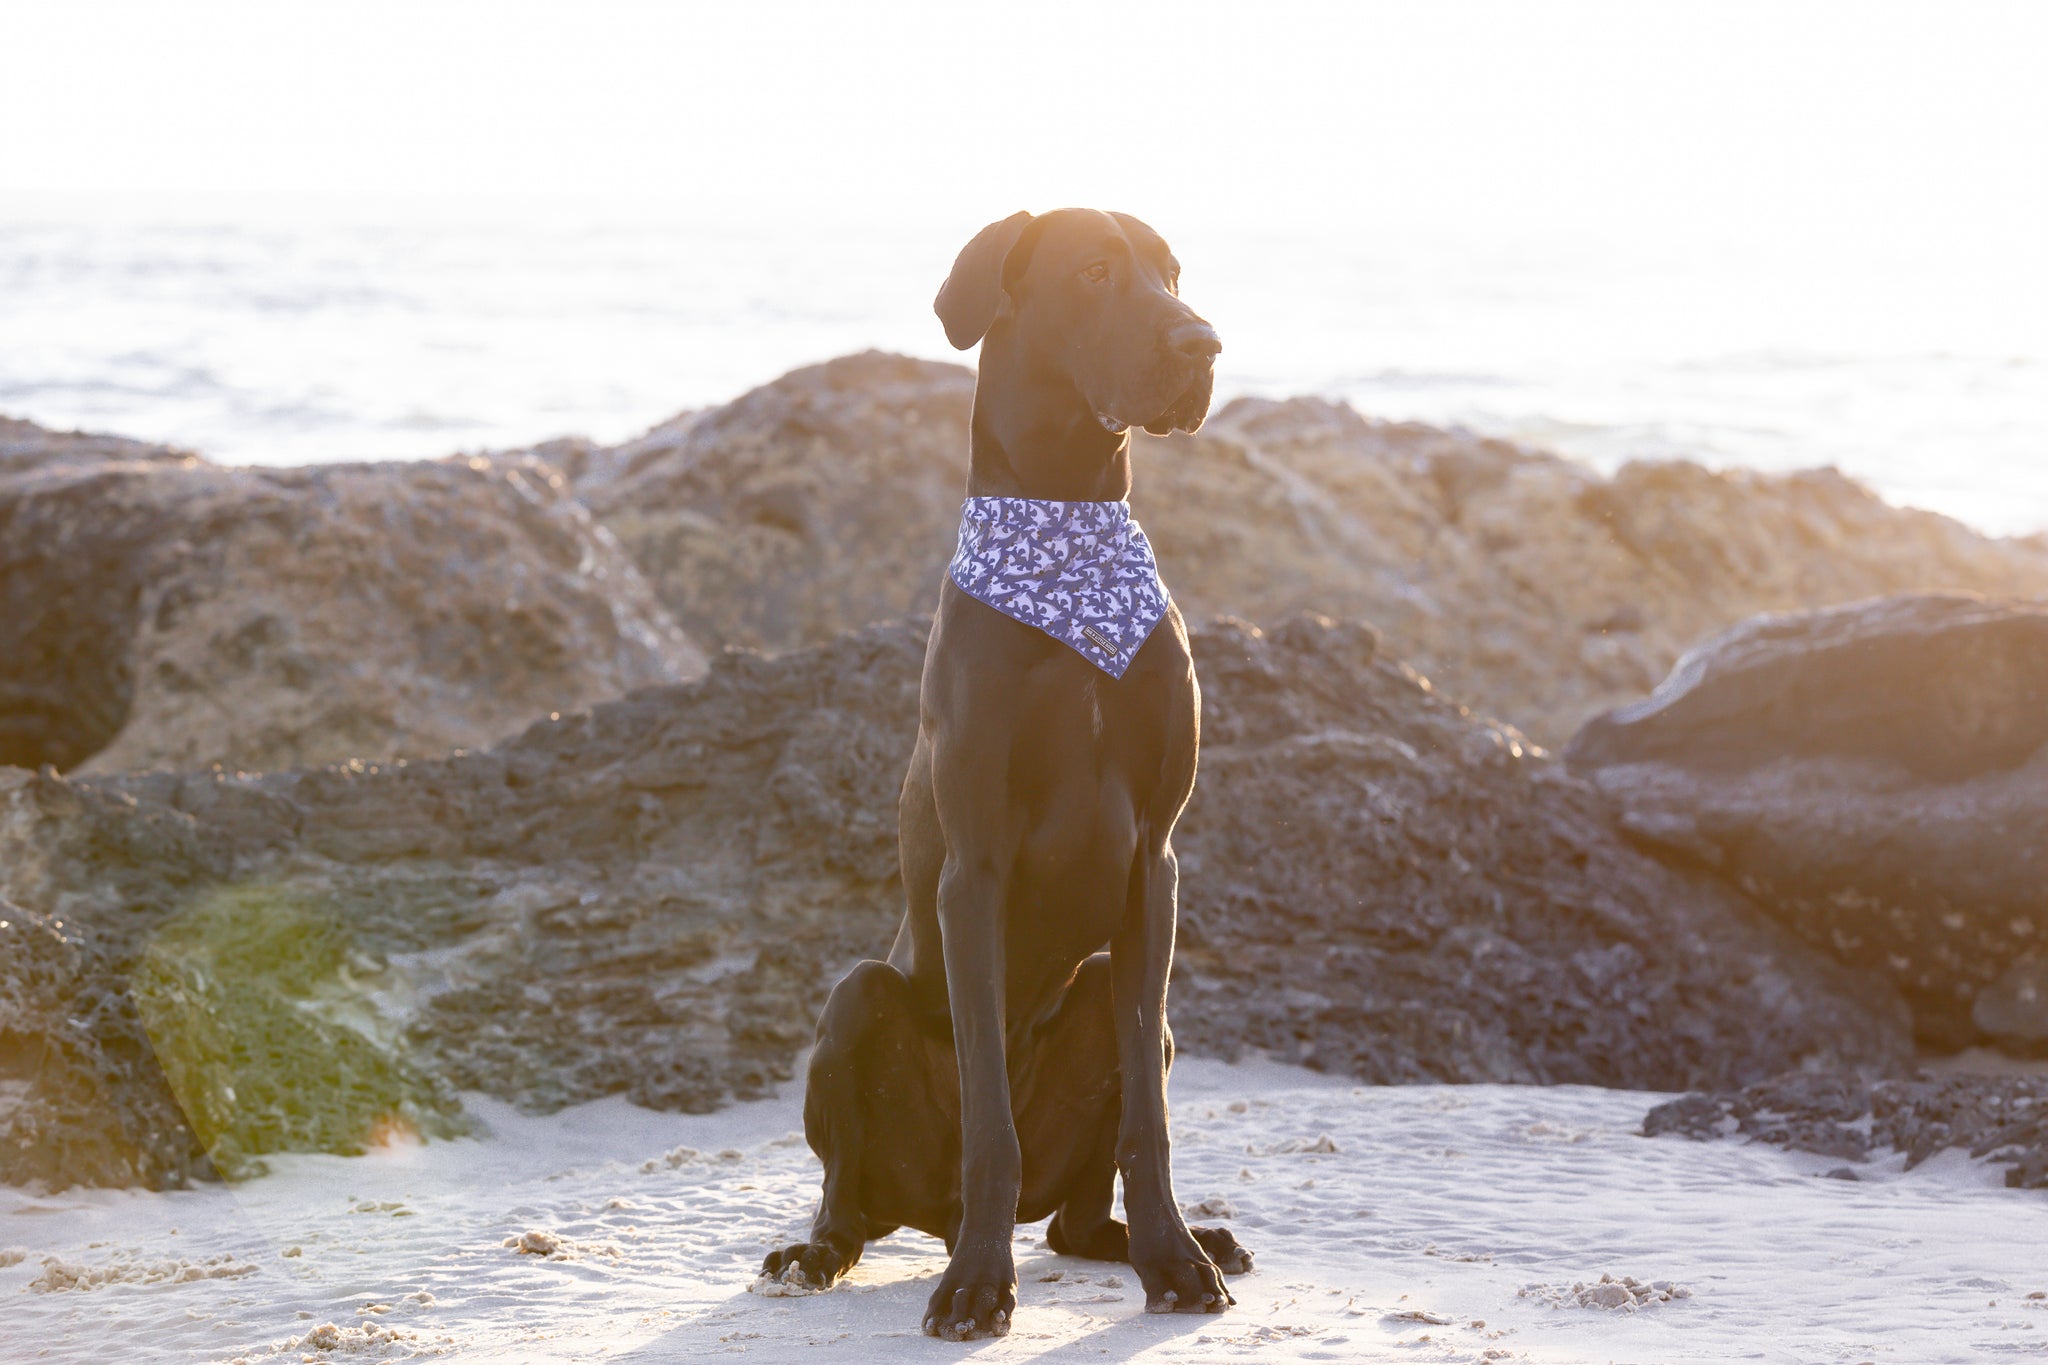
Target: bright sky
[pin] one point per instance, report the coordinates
(1903, 128)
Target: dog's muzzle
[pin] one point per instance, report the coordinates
(1191, 409)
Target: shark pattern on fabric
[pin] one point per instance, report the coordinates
(1082, 572)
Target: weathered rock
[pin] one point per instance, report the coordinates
(1877, 776)
(824, 501)
(1377, 883)
(24, 445)
(646, 899)
(82, 1099)
(267, 1039)
(159, 611)
(251, 617)
(2002, 1119)
(653, 897)
(1523, 584)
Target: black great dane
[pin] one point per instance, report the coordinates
(1000, 1065)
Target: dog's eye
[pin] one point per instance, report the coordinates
(1095, 273)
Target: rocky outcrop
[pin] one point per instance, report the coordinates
(651, 898)
(824, 501)
(1523, 584)
(1378, 883)
(2000, 1119)
(1526, 585)
(646, 899)
(156, 610)
(1877, 777)
(159, 611)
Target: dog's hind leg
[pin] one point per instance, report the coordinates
(1085, 1224)
(878, 1122)
(1070, 1099)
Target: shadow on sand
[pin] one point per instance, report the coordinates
(866, 1323)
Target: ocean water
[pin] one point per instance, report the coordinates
(292, 333)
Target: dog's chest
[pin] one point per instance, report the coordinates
(1090, 765)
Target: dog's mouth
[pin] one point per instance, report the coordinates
(1184, 411)
(1190, 409)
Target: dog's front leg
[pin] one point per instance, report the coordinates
(977, 1295)
(1179, 1277)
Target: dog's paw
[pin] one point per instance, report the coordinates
(1182, 1283)
(801, 1268)
(1223, 1249)
(976, 1297)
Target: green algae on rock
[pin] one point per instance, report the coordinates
(267, 1040)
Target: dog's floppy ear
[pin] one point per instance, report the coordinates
(968, 300)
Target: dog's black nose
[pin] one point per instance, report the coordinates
(1197, 339)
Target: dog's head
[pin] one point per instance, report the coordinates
(1098, 296)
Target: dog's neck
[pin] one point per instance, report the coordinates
(1036, 436)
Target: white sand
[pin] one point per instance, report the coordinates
(1449, 1224)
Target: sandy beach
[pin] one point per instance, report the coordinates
(536, 541)
(1423, 1223)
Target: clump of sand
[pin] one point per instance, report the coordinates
(1320, 1145)
(1109, 1288)
(329, 1340)
(1626, 1294)
(127, 1268)
(790, 1284)
(669, 1160)
(553, 1246)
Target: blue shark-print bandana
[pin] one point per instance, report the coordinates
(1082, 572)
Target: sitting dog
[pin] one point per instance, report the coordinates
(1001, 1065)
